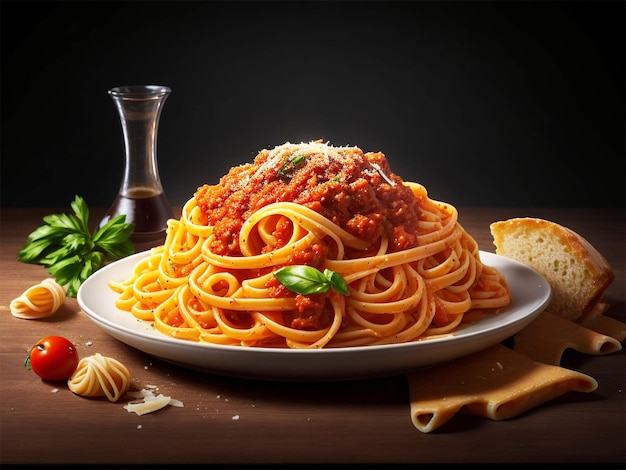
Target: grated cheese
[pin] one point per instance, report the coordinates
(148, 402)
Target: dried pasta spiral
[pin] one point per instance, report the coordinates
(97, 376)
(39, 301)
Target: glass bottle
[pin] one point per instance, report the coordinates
(141, 197)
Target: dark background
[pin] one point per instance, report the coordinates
(484, 103)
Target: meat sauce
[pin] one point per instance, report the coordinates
(356, 190)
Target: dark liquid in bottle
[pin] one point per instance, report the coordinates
(148, 210)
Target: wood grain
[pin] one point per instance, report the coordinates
(236, 421)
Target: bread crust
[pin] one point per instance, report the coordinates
(574, 268)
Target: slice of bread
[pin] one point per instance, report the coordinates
(576, 271)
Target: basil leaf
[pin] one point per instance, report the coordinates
(66, 269)
(337, 281)
(302, 279)
(114, 238)
(33, 251)
(307, 280)
(45, 231)
(115, 230)
(66, 247)
(63, 222)
(82, 213)
(78, 242)
(287, 169)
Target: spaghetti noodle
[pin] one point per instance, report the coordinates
(39, 301)
(98, 376)
(411, 269)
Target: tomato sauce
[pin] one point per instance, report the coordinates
(356, 190)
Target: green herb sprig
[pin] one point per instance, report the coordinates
(70, 252)
(288, 168)
(307, 280)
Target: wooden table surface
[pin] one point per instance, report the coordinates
(238, 421)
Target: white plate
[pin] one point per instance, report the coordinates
(530, 295)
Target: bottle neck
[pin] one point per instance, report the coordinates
(140, 110)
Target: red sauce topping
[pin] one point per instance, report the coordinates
(356, 190)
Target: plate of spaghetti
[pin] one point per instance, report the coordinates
(313, 262)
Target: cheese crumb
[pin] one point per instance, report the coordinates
(148, 402)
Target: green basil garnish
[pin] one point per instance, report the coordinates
(292, 163)
(307, 280)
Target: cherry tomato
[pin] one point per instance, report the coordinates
(53, 358)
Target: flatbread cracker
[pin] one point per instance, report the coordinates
(496, 383)
(605, 325)
(547, 337)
